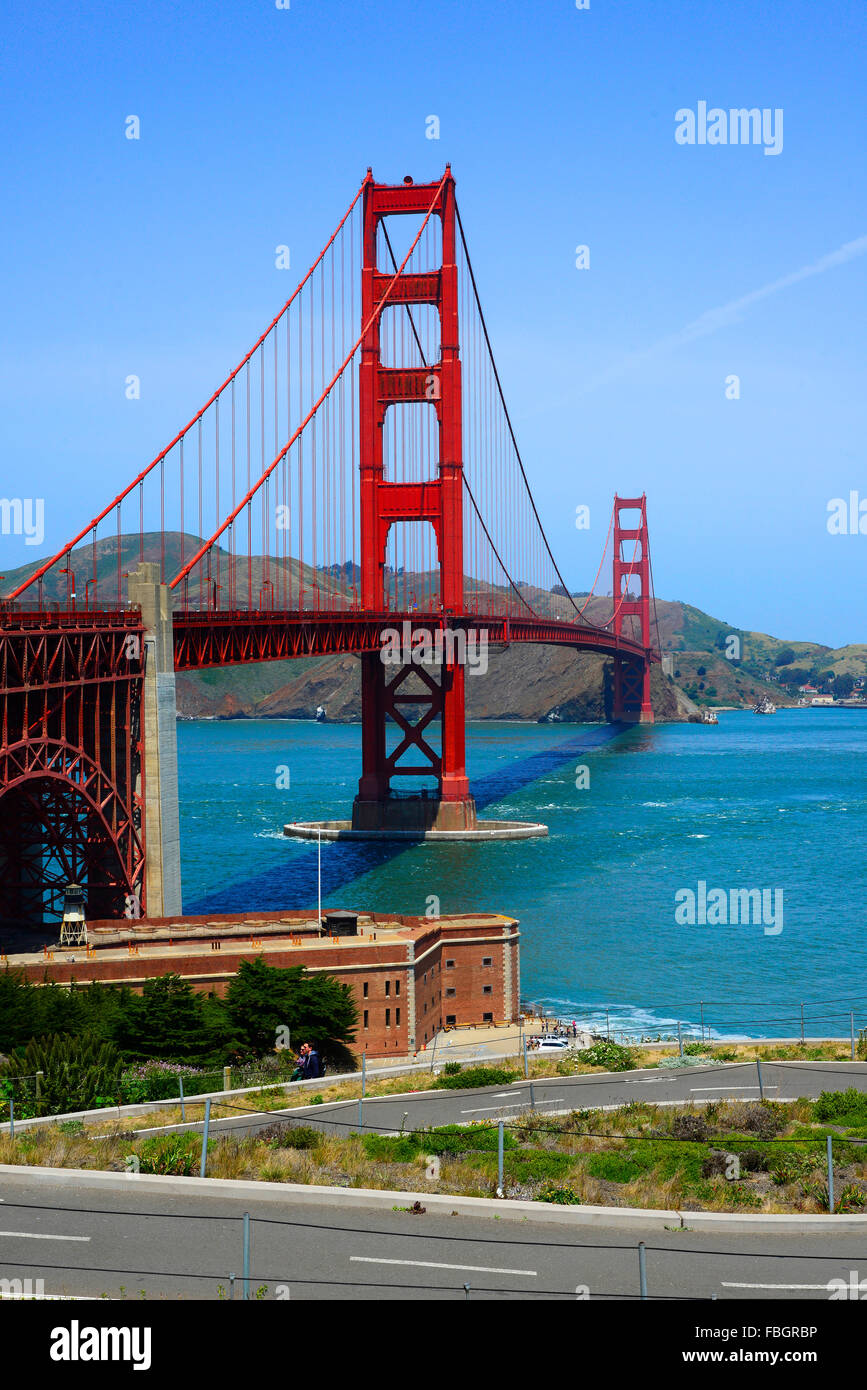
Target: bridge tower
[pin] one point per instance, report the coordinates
(632, 578)
(398, 691)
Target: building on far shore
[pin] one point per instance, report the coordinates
(410, 976)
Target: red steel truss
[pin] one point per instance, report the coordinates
(70, 761)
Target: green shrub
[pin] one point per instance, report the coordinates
(609, 1055)
(455, 1139)
(473, 1077)
(452, 1068)
(396, 1148)
(792, 1166)
(286, 1135)
(625, 1166)
(537, 1165)
(847, 1107)
(78, 1073)
(563, 1196)
(175, 1155)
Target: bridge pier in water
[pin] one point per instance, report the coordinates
(162, 896)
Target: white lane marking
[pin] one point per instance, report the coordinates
(695, 1089)
(486, 1109)
(811, 1287)
(52, 1297)
(515, 1105)
(36, 1235)
(432, 1264)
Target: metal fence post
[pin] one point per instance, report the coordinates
(500, 1158)
(852, 1033)
(701, 1011)
(11, 1118)
(246, 1294)
(232, 1286)
(526, 1063)
(363, 1073)
(679, 1040)
(761, 1087)
(608, 1024)
(205, 1138)
(532, 1097)
(802, 1024)
(642, 1269)
(830, 1174)
(40, 1074)
(227, 1078)
(183, 1107)
(360, 1114)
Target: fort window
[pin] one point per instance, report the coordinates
(450, 993)
(487, 1018)
(487, 960)
(397, 1018)
(365, 1018)
(365, 989)
(387, 988)
(450, 965)
(388, 1018)
(487, 989)
(397, 986)
(450, 1020)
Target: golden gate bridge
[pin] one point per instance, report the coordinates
(357, 471)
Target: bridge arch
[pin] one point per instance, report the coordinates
(63, 820)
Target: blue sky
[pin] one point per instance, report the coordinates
(157, 256)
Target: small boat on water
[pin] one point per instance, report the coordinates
(765, 706)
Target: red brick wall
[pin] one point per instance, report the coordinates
(397, 970)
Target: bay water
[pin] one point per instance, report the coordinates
(638, 820)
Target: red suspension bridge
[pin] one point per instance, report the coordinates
(357, 472)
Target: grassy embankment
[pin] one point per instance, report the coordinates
(724, 1156)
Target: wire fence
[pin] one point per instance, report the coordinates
(158, 1082)
(250, 1282)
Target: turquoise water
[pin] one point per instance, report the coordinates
(776, 803)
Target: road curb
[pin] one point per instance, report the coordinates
(438, 1204)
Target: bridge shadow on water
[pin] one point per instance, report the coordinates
(293, 883)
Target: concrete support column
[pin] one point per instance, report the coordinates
(160, 752)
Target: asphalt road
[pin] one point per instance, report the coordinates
(420, 1110)
(98, 1244)
(90, 1243)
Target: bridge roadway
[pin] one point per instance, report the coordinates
(227, 638)
(92, 1237)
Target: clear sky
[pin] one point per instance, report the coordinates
(156, 256)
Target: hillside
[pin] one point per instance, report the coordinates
(522, 682)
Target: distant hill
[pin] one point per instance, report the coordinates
(522, 682)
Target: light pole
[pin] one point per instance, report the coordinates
(319, 874)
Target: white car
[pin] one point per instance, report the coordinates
(541, 1046)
